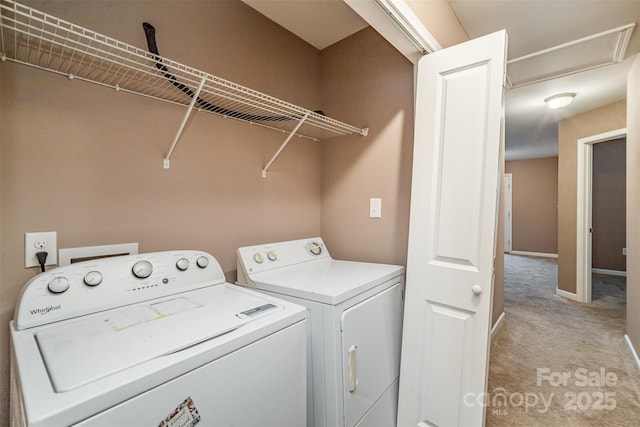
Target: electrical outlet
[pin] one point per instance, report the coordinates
(40, 242)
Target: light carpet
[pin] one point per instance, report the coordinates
(556, 362)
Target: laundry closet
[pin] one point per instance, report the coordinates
(87, 161)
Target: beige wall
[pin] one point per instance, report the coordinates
(365, 80)
(86, 161)
(633, 205)
(534, 204)
(600, 120)
(608, 210)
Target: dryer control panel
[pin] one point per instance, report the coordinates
(268, 256)
(91, 286)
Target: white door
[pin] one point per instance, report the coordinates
(452, 234)
(508, 205)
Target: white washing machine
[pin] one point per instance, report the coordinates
(155, 339)
(355, 327)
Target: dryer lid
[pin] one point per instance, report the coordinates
(326, 280)
(89, 349)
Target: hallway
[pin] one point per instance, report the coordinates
(555, 362)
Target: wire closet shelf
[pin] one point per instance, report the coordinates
(37, 39)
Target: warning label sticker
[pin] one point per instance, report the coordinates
(185, 415)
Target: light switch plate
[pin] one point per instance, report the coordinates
(375, 208)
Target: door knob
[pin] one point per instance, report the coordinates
(476, 289)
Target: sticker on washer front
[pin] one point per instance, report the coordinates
(185, 415)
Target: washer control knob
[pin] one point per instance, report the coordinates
(58, 285)
(272, 255)
(258, 258)
(182, 264)
(202, 262)
(142, 269)
(93, 278)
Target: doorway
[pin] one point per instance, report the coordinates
(584, 233)
(608, 240)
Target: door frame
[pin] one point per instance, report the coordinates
(584, 207)
(508, 214)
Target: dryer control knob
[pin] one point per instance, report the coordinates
(58, 285)
(258, 258)
(202, 262)
(142, 269)
(272, 255)
(315, 249)
(93, 278)
(182, 264)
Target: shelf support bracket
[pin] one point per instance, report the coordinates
(167, 159)
(284, 144)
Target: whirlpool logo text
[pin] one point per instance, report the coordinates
(45, 310)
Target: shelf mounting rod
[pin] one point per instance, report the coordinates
(284, 144)
(167, 159)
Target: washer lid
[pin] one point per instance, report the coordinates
(88, 349)
(326, 280)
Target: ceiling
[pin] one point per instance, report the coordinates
(532, 26)
(320, 23)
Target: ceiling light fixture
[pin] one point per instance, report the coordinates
(560, 100)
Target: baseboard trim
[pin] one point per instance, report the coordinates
(567, 295)
(632, 350)
(540, 254)
(609, 272)
(498, 325)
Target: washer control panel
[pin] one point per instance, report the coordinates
(91, 286)
(254, 259)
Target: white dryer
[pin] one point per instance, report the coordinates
(355, 327)
(155, 339)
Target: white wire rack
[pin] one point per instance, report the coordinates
(34, 38)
